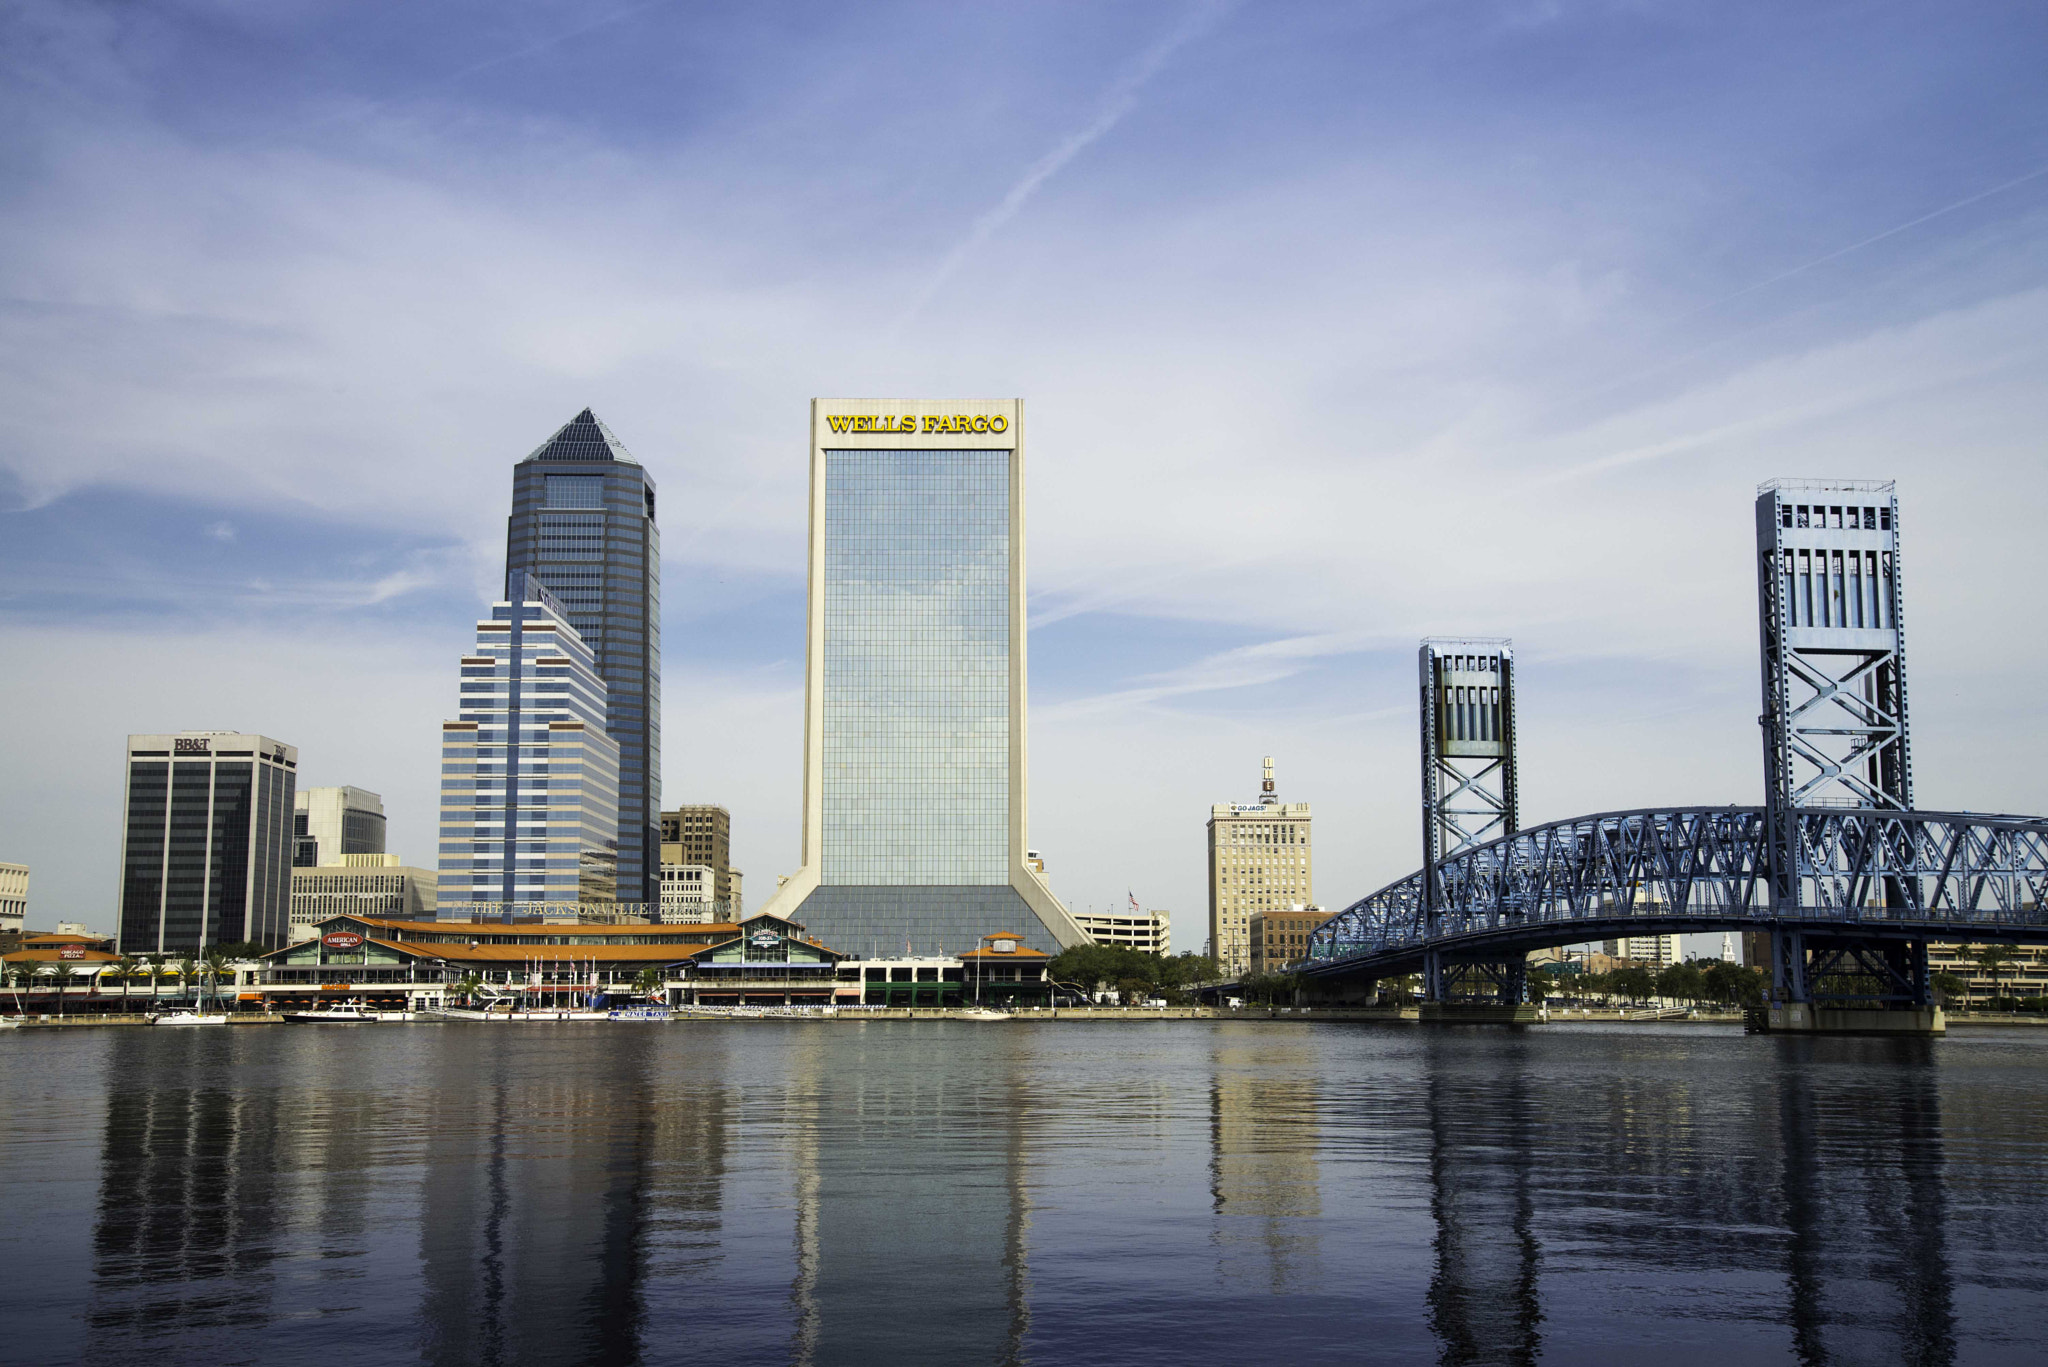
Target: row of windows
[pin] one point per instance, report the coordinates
(1836, 517)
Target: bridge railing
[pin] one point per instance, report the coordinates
(1946, 871)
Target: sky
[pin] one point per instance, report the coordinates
(1339, 325)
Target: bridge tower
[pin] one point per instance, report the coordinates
(1469, 788)
(1831, 622)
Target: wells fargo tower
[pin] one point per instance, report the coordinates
(914, 688)
(583, 525)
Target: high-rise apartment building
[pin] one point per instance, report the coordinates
(206, 842)
(13, 898)
(529, 779)
(702, 834)
(914, 696)
(583, 525)
(328, 823)
(1260, 859)
(1651, 951)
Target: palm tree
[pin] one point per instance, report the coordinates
(187, 971)
(150, 968)
(213, 964)
(22, 971)
(125, 966)
(1992, 958)
(466, 986)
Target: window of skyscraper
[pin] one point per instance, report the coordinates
(916, 667)
(575, 491)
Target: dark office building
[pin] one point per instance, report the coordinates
(206, 843)
(583, 525)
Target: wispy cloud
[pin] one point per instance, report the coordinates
(1117, 103)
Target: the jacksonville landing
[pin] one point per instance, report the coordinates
(914, 690)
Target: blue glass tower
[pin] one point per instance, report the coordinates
(583, 525)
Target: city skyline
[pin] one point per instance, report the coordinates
(1285, 338)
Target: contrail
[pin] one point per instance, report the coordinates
(1868, 241)
(1121, 98)
(1705, 347)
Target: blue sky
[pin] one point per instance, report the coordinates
(1339, 325)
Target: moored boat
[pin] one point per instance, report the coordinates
(330, 1015)
(188, 1018)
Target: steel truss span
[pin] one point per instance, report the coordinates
(1862, 872)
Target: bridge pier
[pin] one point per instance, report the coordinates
(1844, 984)
(1492, 991)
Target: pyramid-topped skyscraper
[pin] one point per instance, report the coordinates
(583, 525)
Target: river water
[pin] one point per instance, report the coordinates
(962, 1193)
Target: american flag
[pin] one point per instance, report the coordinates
(1133, 900)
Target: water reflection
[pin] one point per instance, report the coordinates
(1483, 1301)
(913, 1213)
(1861, 1175)
(1264, 1160)
(832, 1194)
(187, 1200)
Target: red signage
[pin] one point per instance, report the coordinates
(71, 952)
(342, 939)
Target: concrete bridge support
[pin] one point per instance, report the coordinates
(1468, 990)
(1840, 984)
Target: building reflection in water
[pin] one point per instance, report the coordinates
(1265, 1160)
(1826, 1165)
(545, 1196)
(1867, 1265)
(913, 1218)
(1483, 1294)
(183, 1236)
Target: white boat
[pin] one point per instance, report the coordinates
(982, 1013)
(331, 1015)
(9, 1023)
(187, 1018)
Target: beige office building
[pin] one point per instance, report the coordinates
(1260, 859)
(686, 890)
(701, 835)
(13, 898)
(360, 885)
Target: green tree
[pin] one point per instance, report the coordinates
(1733, 984)
(647, 981)
(1633, 983)
(1682, 982)
(1542, 983)
(188, 973)
(1950, 986)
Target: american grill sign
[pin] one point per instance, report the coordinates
(342, 939)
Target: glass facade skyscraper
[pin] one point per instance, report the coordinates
(529, 779)
(206, 843)
(914, 755)
(583, 525)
